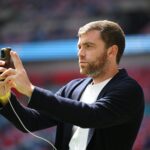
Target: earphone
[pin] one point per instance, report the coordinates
(36, 136)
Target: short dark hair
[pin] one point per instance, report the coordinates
(110, 32)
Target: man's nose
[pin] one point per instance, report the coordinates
(81, 52)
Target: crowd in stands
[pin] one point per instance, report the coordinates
(36, 20)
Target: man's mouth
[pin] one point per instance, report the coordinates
(82, 62)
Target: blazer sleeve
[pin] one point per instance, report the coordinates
(31, 118)
(119, 104)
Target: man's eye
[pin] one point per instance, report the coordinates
(88, 46)
(79, 47)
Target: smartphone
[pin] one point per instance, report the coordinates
(5, 56)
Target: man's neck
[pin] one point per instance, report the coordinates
(105, 75)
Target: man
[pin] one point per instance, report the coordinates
(101, 112)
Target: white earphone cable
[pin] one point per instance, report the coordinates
(41, 138)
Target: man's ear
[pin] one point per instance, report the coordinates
(112, 51)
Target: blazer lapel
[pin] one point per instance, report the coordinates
(77, 94)
(79, 90)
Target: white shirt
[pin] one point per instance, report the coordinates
(89, 96)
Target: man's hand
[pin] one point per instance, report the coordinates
(17, 78)
(4, 89)
(4, 93)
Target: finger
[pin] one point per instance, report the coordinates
(7, 88)
(8, 72)
(2, 63)
(1, 72)
(16, 60)
(8, 79)
(2, 83)
(2, 69)
(11, 84)
(4, 90)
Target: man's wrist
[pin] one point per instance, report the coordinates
(31, 90)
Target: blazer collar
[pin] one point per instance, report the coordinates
(120, 75)
(81, 87)
(79, 90)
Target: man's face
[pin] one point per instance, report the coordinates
(92, 54)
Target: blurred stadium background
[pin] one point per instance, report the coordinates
(43, 32)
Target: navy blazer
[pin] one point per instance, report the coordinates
(114, 119)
